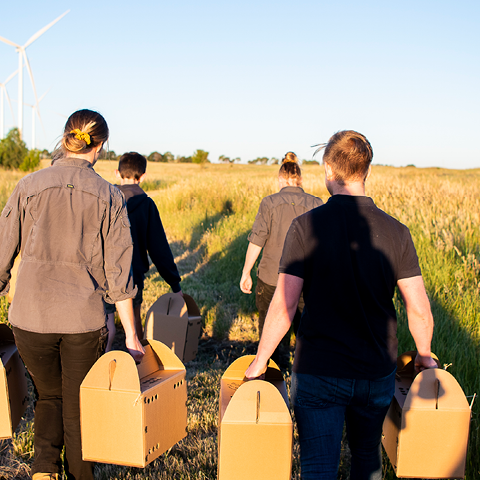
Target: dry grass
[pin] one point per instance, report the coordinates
(208, 212)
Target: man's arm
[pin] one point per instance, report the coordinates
(253, 251)
(279, 318)
(420, 319)
(125, 311)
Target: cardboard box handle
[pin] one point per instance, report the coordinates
(257, 418)
(168, 306)
(437, 392)
(111, 372)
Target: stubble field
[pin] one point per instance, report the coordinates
(207, 214)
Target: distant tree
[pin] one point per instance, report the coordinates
(155, 157)
(259, 161)
(181, 159)
(200, 157)
(45, 154)
(274, 161)
(224, 159)
(31, 161)
(13, 150)
(168, 157)
(108, 155)
(237, 159)
(310, 162)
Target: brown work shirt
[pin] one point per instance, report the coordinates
(271, 225)
(73, 230)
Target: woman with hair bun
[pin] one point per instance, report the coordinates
(72, 227)
(269, 230)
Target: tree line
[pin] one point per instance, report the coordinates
(14, 154)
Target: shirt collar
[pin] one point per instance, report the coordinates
(72, 161)
(351, 200)
(288, 188)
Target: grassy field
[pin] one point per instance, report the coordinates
(207, 213)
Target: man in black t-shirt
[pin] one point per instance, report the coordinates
(347, 256)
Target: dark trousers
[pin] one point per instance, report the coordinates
(322, 405)
(263, 297)
(58, 363)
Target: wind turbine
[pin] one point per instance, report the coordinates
(35, 109)
(22, 55)
(3, 87)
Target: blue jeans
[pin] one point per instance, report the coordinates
(322, 405)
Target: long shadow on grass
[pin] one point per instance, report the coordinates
(209, 223)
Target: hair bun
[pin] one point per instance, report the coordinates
(290, 157)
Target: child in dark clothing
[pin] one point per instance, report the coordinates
(148, 237)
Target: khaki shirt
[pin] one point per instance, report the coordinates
(73, 230)
(271, 225)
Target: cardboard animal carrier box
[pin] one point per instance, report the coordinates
(425, 432)
(13, 384)
(255, 426)
(176, 322)
(131, 414)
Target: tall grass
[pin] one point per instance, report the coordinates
(208, 212)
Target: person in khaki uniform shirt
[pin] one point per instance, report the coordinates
(72, 228)
(272, 222)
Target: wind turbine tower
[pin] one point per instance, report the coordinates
(22, 55)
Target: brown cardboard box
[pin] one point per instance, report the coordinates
(255, 426)
(131, 414)
(13, 384)
(425, 432)
(176, 322)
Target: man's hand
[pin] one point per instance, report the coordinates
(423, 362)
(256, 371)
(135, 348)
(246, 283)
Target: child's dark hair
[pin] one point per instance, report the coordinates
(132, 165)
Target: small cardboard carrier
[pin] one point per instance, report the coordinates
(13, 384)
(425, 432)
(176, 322)
(131, 414)
(255, 426)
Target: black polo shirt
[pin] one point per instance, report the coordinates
(350, 255)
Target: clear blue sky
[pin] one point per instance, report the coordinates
(257, 78)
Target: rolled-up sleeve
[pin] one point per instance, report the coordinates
(10, 235)
(261, 227)
(118, 254)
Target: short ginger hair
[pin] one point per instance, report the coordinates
(349, 154)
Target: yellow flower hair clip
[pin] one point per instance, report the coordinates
(79, 135)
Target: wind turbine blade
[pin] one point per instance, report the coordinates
(9, 104)
(30, 74)
(43, 30)
(10, 77)
(4, 40)
(43, 96)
